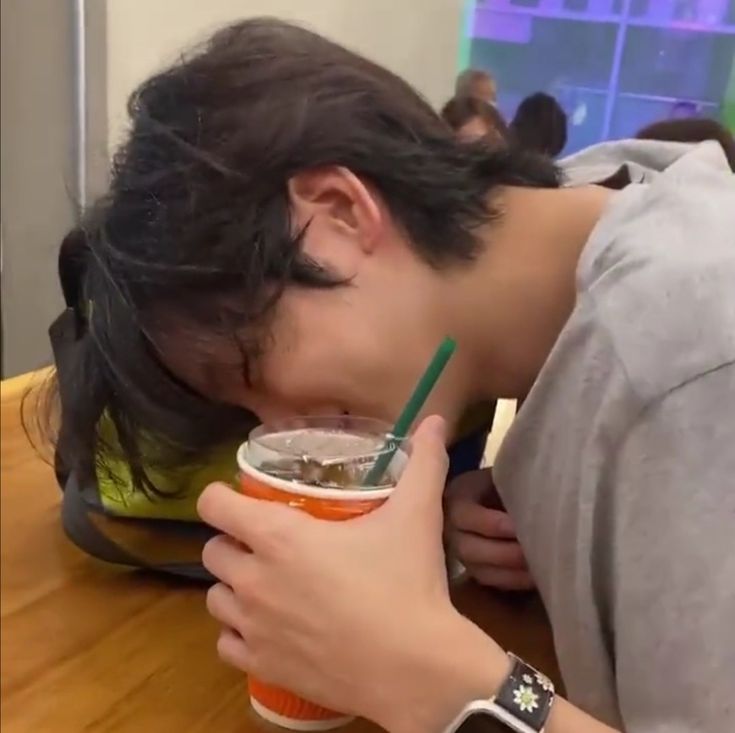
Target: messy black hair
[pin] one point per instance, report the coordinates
(458, 111)
(692, 130)
(197, 222)
(540, 124)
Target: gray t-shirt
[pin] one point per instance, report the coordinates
(619, 470)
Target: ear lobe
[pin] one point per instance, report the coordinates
(338, 198)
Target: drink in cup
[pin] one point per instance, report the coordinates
(319, 465)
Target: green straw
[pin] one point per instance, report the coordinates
(413, 407)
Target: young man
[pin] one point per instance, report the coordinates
(291, 229)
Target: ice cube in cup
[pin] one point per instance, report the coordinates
(336, 452)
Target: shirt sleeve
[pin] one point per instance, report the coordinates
(673, 562)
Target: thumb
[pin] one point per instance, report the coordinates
(421, 485)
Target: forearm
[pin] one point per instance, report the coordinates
(455, 668)
(565, 718)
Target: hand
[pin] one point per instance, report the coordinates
(353, 615)
(482, 535)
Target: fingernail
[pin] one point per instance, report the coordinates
(438, 426)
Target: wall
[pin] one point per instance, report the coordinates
(37, 171)
(418, 39)
(127, 40)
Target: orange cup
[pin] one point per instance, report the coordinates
(276, 705)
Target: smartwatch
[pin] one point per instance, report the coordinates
(521, 705)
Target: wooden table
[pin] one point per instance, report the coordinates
(88, 648)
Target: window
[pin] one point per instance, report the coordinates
(614, 65)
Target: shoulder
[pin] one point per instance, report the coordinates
(659, 276)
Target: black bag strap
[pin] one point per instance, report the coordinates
(82, 531)
(80, 528)
(72, 254)
(63, 335)
(66, 330)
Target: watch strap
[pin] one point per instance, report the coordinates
(526, 695)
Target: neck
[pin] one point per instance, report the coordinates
(512, 305)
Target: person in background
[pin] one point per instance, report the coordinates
(692, 130)
(540, 124)
(478, 84)
(472, 119)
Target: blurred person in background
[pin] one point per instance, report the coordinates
(472, 119)
(540, 124)
(478, 84)
(692, 130)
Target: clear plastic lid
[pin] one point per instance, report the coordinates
(330, 452)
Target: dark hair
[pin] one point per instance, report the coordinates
(197, 222)
(694, 130)
(458, 111)
(540, 124)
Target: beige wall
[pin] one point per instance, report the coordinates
(417, 39)
(38, 179)
(127, 40)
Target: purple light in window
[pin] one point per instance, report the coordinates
(507, 27)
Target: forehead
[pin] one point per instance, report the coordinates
(483, 83)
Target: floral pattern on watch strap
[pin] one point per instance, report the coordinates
(526, 694)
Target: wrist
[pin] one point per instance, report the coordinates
(451, 663)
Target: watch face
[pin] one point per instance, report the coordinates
(480, 722)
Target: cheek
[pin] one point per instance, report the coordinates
(322, 376)
(338, 351)
(302, 381)
(300, 366)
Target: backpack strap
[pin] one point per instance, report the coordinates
(79, 527)
(72, 253)
(67, 328)
(82, 531)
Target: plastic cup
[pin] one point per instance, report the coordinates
(320, 451)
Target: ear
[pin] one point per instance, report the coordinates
(333, 202)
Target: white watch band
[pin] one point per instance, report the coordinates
(522, 704)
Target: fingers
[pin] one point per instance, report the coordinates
(492, 562)
(474, 550)
(422, 482)
(467, 516)
(233, 650)
(471, 486)
(501, 578)
(225, 608)
(225, 559)
(231, 646)
(249, 521)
